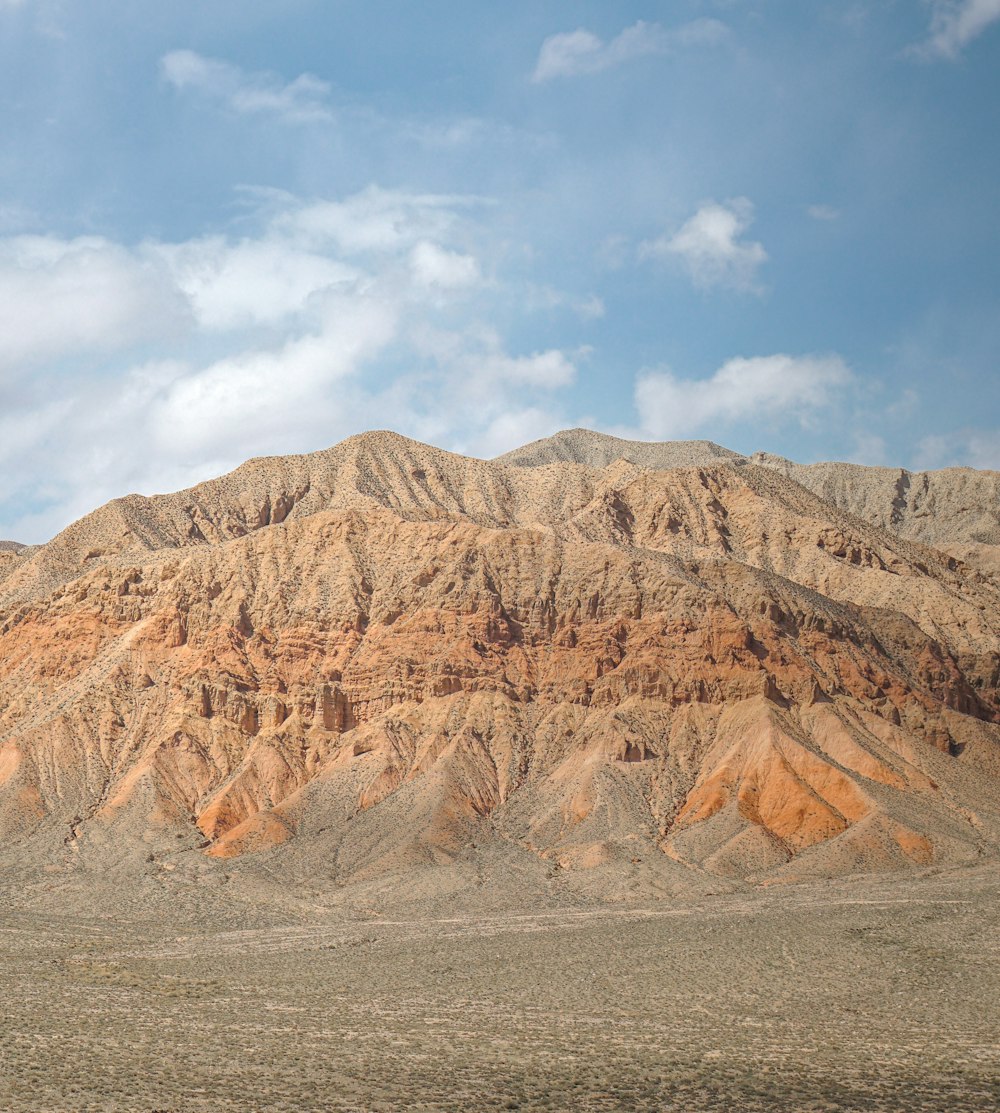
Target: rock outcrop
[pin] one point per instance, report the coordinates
(382, 653)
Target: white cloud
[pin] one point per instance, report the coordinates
(777, 388)
(475, 396)
(86, 295)
(260, 394)
(515, 427)
(970, 448)
(954, 24)
(380, 221)
(253, 282)
(870, 449)
(434, 266)
(72, 297)
(823, 212)
(710, 246)
(572, 53)
(548, 370)
(304, 100)
(335, 316)
(981, 449)
(21, 431)
(483, 376)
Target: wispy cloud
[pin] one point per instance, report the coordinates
(572, 53)
(954, 24)
(971, 448)
(435, 266)
(81, 297)
(304, 100)
(374, 221)
(764, 389)
(823, 212)
(711, 247)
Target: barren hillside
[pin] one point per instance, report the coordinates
(955, 509)
(653, 665)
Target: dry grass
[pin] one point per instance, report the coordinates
(849, 996)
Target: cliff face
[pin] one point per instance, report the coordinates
(382, 653)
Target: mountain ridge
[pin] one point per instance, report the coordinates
(908, 502)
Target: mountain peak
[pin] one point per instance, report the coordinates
(597, 450)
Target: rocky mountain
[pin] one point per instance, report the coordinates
(597, 450)
(955, 509)
(657, 663)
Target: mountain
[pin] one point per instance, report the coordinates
(655, 666)
(954, 509)
(597, 450)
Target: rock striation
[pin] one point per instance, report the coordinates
(589, 652)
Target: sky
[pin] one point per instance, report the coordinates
(238, 228)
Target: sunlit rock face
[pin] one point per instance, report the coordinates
(589, 651)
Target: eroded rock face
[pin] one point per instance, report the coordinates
(380, 653)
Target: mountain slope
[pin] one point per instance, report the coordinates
(377, 656)
(955, 509)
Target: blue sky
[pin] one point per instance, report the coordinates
(240, 228)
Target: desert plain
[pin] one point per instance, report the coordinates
(868, 994)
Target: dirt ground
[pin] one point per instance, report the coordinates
(873, 994)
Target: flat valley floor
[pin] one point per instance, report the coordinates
(871, 994)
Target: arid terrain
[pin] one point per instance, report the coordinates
(602, 775)
(874, 994)
(381, 654)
